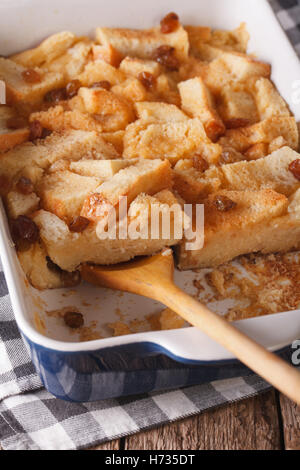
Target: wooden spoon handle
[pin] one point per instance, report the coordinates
(269, 366)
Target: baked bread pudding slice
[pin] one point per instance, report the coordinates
(166, 116)
(242, 222)
(191, 181)
(70, 146)
(172, 141)
(49, 50)
(273, 172)
(143, 43)
(150, 176)
(68, 249)
(27, 85)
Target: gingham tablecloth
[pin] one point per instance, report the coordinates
(32, 419)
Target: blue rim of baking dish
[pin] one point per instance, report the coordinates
(124, 370)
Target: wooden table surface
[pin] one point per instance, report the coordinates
(266, 422)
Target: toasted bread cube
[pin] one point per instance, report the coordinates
(243, 66)
(265, 131)
(165, 212)
(231, 67)
(73, 62)
(197, 102)
(57, 119)
(133, 66)
(143, 43)
(145, 176)
(191, 184)
(116, 139)
(174, 141)
(100, 70)
(207, 52)
(277, 144)
(192, 68)
(53, 47)
(113, 112)
(34, 265)
(21, 204)
(108, 53)
(103, 169)
(73, 145)
(17, 89)
(69, 250)
(166, 90)
(64, 192)
(198, 35)
(207, 44)
(270, 172)
(131, 89)
(257, 151)
(152, 111)
(243, 229)
(236, 40)
(294, 203)
(216, 75)
(268, 100)
(237, 103)
(9, 138)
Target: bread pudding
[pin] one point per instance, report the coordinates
(170, 116)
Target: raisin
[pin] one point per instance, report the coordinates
(36, 130)
(72, 88)
(199, 163)
(165, 55)
(169, 23)
(235, 123)
(230, 155)
(79, 224)
(225, 157)
(224, 204)
(214, 130)
(25, 185)
(102, 84)
(16, 123)
(73, 319)
(55, 96)
(147, 79)
(70, 279)
(46, 133)
(52, 266)
(295, 168)
(31, 76)
(4, 185)
(24, 231)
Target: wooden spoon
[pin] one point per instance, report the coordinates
(153, 277)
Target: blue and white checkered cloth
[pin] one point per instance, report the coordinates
(32, 419)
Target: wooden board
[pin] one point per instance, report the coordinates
(290, 414)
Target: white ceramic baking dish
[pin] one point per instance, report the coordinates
(65, 363)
